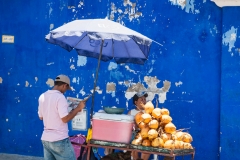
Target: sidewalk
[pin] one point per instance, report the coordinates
(4, 156)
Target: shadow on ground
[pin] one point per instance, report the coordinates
(4, 156)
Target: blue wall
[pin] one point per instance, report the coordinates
(229, 109)
(198, 57)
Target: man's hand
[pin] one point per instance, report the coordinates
(80, 106)
(74, 112)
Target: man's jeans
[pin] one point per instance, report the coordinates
(59, 150)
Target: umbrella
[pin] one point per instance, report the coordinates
(102, 39)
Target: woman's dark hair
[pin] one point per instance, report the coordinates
(135, 98)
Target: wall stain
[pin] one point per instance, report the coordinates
(130, 10)
(177, 84)
(151, 89)
(26, 84)
(111, 87)
(188, 5)
(229, 38)
(203, 36)
(50, 82)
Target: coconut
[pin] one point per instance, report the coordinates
(156, 113)
(148, 107)
(162, 125)
(180, 135)
(152, 133)
(146, 118)
(165, 111)
(146, 142)
(170, 128)
(187, 146)
(181, 144)
(165, 137)
(138, 117)
(144, 132)
(157, 142)
(169, 144)
(142, 125)
(137, 142)
(177, 144)
(153, 124)
(187, 138)
(174, 137)
(166, 119)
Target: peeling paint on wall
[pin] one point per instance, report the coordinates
(114, 74)
(80, 4)
(130, 70)
(125, 83)
(112, 66)
(17, 98)
(50, 82)
(117, 75)
(36, 79)
(136, 88)
(97, 90)
(214, 30)
(151, 89)
(82, 92)
(76, 80)
(50, 9)
(75, 10)
(72, 67)
(51, 26)
(177, 84)
(111, 88)
(50, 63)
(229, 38)
(154, 90)
(187, 4)
(117, 100)
(1, 80)
(26, 84)
(131, 10)
(188, 101)
(82, 61)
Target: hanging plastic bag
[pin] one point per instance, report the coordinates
(80, 139)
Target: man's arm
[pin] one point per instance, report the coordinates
(74, 112)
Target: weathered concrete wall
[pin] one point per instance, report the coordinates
(229, 112)
(194, 69)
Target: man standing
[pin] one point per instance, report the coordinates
(53, 110)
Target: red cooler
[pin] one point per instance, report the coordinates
(112, 127)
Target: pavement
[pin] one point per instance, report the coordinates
(4, 156)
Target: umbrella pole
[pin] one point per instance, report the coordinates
(95, 81)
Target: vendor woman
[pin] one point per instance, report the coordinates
(139, 100)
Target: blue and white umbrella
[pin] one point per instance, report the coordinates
(102, 39)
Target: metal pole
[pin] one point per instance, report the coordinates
(95, 81)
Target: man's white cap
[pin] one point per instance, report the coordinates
(63, 78)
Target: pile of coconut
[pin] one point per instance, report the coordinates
(157, 130)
